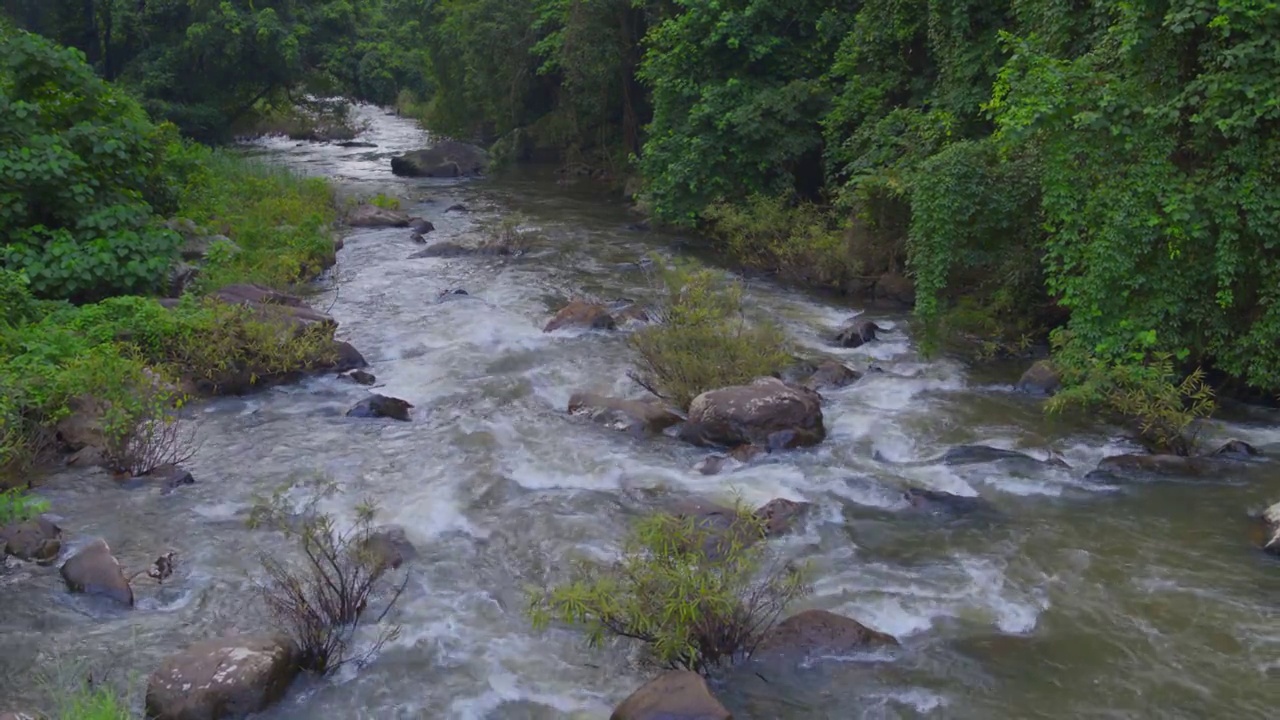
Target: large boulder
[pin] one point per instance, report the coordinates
(673, 695)
(39, 540)
(580, 313)
(1040, 379)
(445, 159)
(768, 412)
(222, 678)
(818, 633)
(95, 571)
(636, 416)
(372, 216)
(858, 332)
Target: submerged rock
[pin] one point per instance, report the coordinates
(38, 540)
(580, 313)
(673, 695)
(447, 249)
(372, 216)
(817, 633)
(381, 406)
(1140, 467)
(389, 548)
(779, 515)
(938, 503)
(1236, 450)
(976, 454)
(738, 456)
(768, 412)
(1040, 379)
(360, 377)
(637, 416)
(445, 159)
(858, 332)
(222, 678)
(95, 571)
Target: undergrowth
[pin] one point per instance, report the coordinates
(802, 243)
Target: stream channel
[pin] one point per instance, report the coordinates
(1072, 600)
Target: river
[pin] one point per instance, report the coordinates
(1074, 601)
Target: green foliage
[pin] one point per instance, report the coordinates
(81, 172)
(90, 702)
(1139, 385)
(17, 506)
(803, 243)
(694, 609)
(385, 202)
(702, 340)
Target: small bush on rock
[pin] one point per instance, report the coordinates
(702, 340)
(321, 600)
(694, 608)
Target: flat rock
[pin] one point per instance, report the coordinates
(637, 416)
(381, 406)
(580, 313)
(673, 695)
(95, 571)
(445, 159)
(222, 678)
(372, 216)
(818, 633)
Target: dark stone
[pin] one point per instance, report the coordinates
(36, 540)
(580, 313)
(381, 406)
(1148, 467)
(458, 207)
(673, 695)
(95, 571)
(447, 249)
(779, 515)
(814, 634)
(418, 238)
(357, 144)
(767, 412)
(453, 294)
(421, 226)
(1236, 450)
(372, 216)
(638, 416)
(389, 548)
(943, 504)
(1041, 379)
(447, 159)
(170, 477)
(219, 678)
(857, 333)
(347, 358)
(974, 454)
(360, 377)
(831, 374)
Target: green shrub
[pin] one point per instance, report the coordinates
(694, 609)
(702, 341)
(17, 506)
(803, 243)
(1137, 384)
(81, 172)
(385, 202)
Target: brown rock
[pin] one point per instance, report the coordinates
(1040, 379)
(381, 406)
(95, 571)
(831, 374)
(895, 289)
(816, 633)
(222, 678)
(374, 216)
(780, 514)
(768, 412)
(82, 428)
(580, 313)
(447, 158)
(38, 540)
(640, 416)
(673, 695)
(858, 332)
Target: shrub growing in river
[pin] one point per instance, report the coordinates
(702, 340)
(698, 596)
(322, 600)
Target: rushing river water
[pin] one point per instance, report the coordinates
(1072, 601)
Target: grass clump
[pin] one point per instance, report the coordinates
(802, 243)
(693, 608)
(703, 340)
(89, 702)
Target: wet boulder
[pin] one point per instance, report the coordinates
(831, 374)
(95, 571)
(1041, 379)
(219, 678)
(421, 227)
(38, 540)
(372, 216)
(347, 357)
(636, 416)
(360, 377)
(976, 454)
(381, 406)
(937, 503)
(580, 313)
(673, 695)
(779, 515)
(768, 412)
(1236, 450)
(818, 633)
(388, 548)
(445, 159)
(857, 333)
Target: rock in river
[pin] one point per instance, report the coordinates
(1040, 379)
(38, 540)
(95, 571)
(636, 416)
(818, 633)
(381, 406)
(673, 695)
(222, 678)
(445, 159)
(580, 313)
(831, 374)
(858, 332)
(372, 216)
(768, 412)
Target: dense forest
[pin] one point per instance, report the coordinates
(1101, 175)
